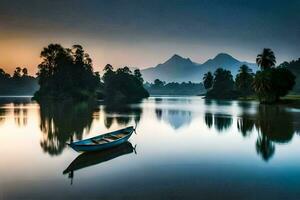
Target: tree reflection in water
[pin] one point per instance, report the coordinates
(20, 114)
(274, 124)
(222, 122)
(122, 114)
(208, 119)
(63, 122)
(175, 118)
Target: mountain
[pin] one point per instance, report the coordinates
(179, 69)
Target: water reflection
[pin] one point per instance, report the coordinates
(93, 158)
(175, 118)
(221, 122)
(208, 119)
(275, 125)
(121, 114)
(20, 114)
(2, 115)
(63, 122)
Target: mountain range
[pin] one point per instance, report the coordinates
(179, 69)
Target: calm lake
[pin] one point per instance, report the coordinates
(185, 147)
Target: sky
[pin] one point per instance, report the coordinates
(144, 33)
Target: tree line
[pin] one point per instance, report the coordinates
(185, 88)
(268, 84)
(19, 83)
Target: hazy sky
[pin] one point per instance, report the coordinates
(140, 33)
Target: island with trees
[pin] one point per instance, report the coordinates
(269, 84)
(67, 74)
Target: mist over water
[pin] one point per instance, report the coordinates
(185, 147)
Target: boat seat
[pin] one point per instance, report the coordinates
(108, 139)
(98, 141)
(114, 136)
(120, 135)
(95, 141)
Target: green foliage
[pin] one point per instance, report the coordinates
(66, 74)
(208, 80)
(123, 85)
(18, 84)
(244, 80)
(223, 85)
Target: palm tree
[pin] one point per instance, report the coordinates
(244, 80)
(266, 59)
(262, 85)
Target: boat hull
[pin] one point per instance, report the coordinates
(99, 147)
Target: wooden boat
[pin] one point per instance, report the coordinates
(104, 141)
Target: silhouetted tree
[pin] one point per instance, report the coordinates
(66, 74)
(19, 84)
(208, 80)
(272, 83)
(122, 84)
(138, 75)
(294, 67)
(17, 73)
(266, 59)
(158, 83)
(25, 72)
(244, 80)
(222, 85)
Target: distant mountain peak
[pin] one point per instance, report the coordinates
(178, 59)
(176, 56)
(178, 68)
(223, 57)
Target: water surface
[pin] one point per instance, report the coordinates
(185, 147)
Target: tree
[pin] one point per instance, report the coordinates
(158, 83)
(208, 80)
(272, 83)
(4, 75)
(222, 85)
(138, 75)
(266, 59)
(262, 86)
(25, 72)
(122, 84)
(66, 74)
(17, 73)
(244, 80)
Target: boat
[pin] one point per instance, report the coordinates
(104, 141)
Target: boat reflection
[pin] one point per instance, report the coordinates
(88, 159)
